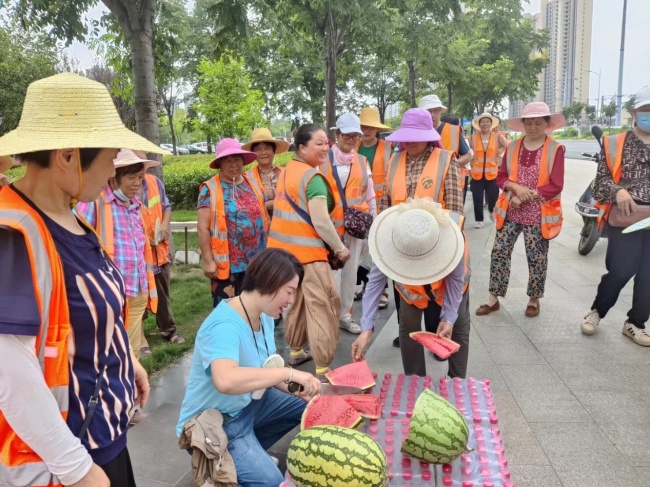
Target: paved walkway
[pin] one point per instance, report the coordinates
(573, 409)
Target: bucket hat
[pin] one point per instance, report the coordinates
(415, 242)
(416, 126)
(537, 109)
(264, 135)
(642, 98)
(369, 117)
(68, 111)
(126, 157)
(348, 123)
(476, 120)
(431, 101)
(6, 163)
(230, 147)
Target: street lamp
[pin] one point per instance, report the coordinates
(597, 74)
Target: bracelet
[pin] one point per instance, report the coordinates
(290, 375)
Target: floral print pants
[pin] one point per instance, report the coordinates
(536, 254)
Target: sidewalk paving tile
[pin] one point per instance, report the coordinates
(534, 476)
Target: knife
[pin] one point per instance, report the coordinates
(327, 389)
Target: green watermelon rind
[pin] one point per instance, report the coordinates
(439, 432)
(315, 402)
(331, 456)
(333, 376)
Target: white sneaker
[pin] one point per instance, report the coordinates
(492, 217)
(350, 326)
(590, 322)
(638, 335)
(478, 224)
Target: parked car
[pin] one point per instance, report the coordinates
(194, 149)
(180, 150)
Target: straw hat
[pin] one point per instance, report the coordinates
(476, 120)
(126, 157)
(431, 101)
(369, 117)
(415, 242)
(5, 163)
(230, 147)
(264, 135)
(537, 109)
(416, 126)
(68, 111)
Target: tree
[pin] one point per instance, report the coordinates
(629, 106)
(226, 104)
(609, 111)
(121, 91)
(576, 110)
(590, 111)
(380, 80)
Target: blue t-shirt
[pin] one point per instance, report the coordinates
(96, 296)
(224, 335)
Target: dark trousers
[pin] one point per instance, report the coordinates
(628, 255)
(119, 470)
(226, 288)
(413, 353)
(465, 189)
(164, 315)
(491, 191)
(362, 275)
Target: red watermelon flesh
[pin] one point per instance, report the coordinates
(329, 411)
(368, 405)
(442, 347)
(356, 374)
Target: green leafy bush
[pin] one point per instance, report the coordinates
(571, 132)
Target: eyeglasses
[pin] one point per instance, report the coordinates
(351, 136)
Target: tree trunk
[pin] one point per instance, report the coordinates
(330, 71)
(450, 92)
(411, 66)
(208, 139)
(170, 118)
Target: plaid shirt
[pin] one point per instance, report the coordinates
(129, 240)
(453, 192)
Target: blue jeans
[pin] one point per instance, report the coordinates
(258, 427)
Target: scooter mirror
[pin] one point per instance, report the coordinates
(597, 132)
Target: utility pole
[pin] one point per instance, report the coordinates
(619, 96)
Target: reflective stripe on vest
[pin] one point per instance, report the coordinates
(152, 215)
(431, 183)
(551, 222)
(289, 231)
(378, 166)
(356, 187)
(450, 138)
(613, 148)
(485, 161)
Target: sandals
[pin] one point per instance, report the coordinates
(532, 311)
(383, 301)
(359, 294)
(173, 338)
(486, 309)
(145, 352)
(300, 359)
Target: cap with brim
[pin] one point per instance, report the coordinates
(369, 117)
(416, 126)
(476, 120)
(68, 111)
(537, 109)
(6, 163)
(126, 157)
(348, 123)
(230, 147)
(642, 98)
(265, 135)
(431, 101)
(415, 243)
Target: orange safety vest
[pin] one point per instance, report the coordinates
(379, 163)
(104, 228)
(152, 215)
(613, 146)
(418, 295)
(289, 231)
(551, 210)
(254, 173)
(218, 225)
(356, 186)
(450, 138)
(431, 183)
(485, 162)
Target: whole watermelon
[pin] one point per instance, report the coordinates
(332, 456)
(439, 433)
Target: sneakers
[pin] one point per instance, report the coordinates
(350, 326)
(590, 322)
(638, 335)
(492, 217)
(478, 224)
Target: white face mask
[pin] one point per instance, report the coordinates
(120, 195)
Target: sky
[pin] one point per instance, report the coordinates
(605, 47)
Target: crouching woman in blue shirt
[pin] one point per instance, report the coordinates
(226, 374)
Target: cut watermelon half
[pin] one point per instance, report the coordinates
(356, 374)
(329, 411)
(368, 405)
(442, 347)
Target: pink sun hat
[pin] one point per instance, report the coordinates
(231, 147)
(416, 126)
(537, 109)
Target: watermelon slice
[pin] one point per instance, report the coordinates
(356, 374)
(368, 405)
(329, 411)
(442, 347)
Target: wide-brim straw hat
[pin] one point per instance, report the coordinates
(126, 157)
(415, 243)
(369, 117)
(6, 163)
(264, 135)
(416, 126)
(230, 147)
(476, 120)
(537, 109)
(68, 111)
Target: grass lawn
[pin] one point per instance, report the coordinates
(179, 241)
(191, 304)
(184, 215)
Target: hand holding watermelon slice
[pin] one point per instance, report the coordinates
(442, 347)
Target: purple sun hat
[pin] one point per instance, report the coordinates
(230, 147)
(416, 126)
